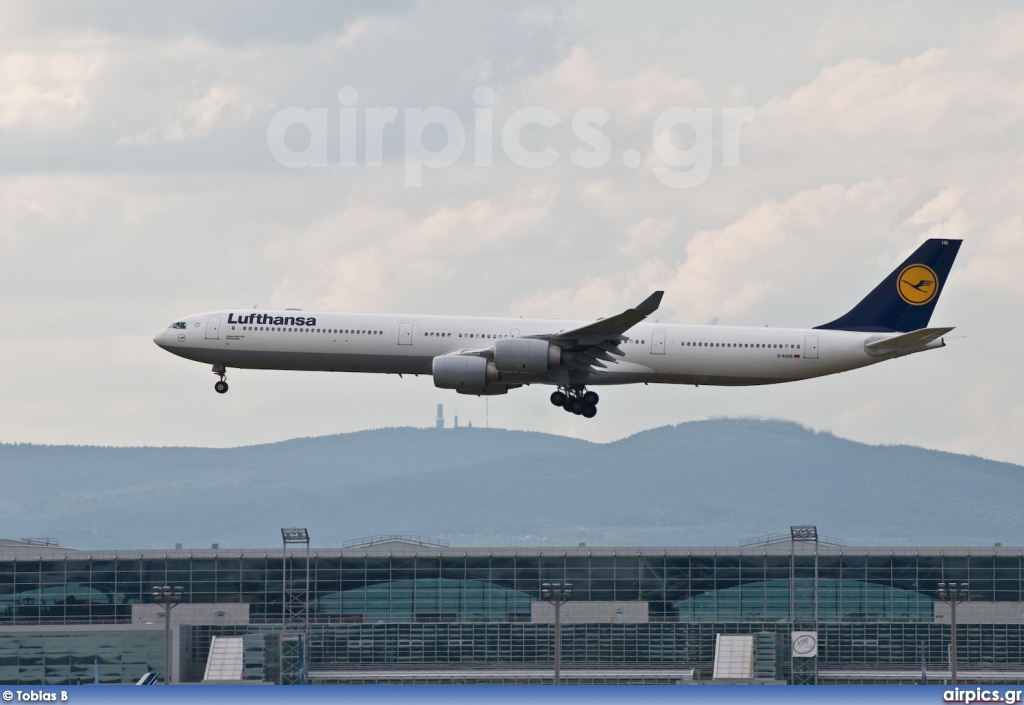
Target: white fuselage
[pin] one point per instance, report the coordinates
(398, 344)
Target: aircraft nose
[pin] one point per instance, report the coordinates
(161, 339)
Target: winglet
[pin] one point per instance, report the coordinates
(651, 303)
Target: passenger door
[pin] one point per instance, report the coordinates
(810, 347)
(213, 328)
(405, 333)
(658, 342)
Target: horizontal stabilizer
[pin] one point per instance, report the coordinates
(913, 339)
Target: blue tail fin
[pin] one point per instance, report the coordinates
(906, 299)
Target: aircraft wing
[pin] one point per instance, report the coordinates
(914, 338)
(585, 347)
(607, 329)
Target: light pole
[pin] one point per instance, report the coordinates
(169, 596)
(953, 594)
(557, 594)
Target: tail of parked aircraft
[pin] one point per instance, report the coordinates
(905, 300)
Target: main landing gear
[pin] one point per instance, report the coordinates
(221, 387)
(576, 400)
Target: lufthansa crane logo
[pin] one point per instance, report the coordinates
(917, 284)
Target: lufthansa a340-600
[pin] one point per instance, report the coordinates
(493, 355)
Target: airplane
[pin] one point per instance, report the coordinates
(486, 356)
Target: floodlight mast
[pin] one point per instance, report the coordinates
(295, 601)
(557, 594)
(953, 594)
(170, 597)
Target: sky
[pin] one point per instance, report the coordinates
(151, 167)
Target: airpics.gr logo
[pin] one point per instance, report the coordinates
(917, 284)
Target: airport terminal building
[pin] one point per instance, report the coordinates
(788, 608)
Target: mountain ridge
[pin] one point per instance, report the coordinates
(696, 483)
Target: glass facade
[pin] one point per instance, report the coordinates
(833, 600)
(410, 604)
(51, 658)
(426, 600)
(478, 586)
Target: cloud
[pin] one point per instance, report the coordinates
(136, 187)
(220, 108)
(934, 95)
(647, 234)
(46, 92)
(582, 80)
(763, 262)
(371, 255)
(940, 208)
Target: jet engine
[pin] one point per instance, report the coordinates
(526, 355)
(463, 372)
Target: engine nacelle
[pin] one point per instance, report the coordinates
(526, 355)
(463, 372)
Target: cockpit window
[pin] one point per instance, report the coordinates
(179, 324)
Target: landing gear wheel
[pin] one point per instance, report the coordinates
(221, 387)
(557, 398)
(591, 398)
(589, 411)
(577, 407)
(567, 404)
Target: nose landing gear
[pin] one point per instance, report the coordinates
(576, 400)
(220, 387)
